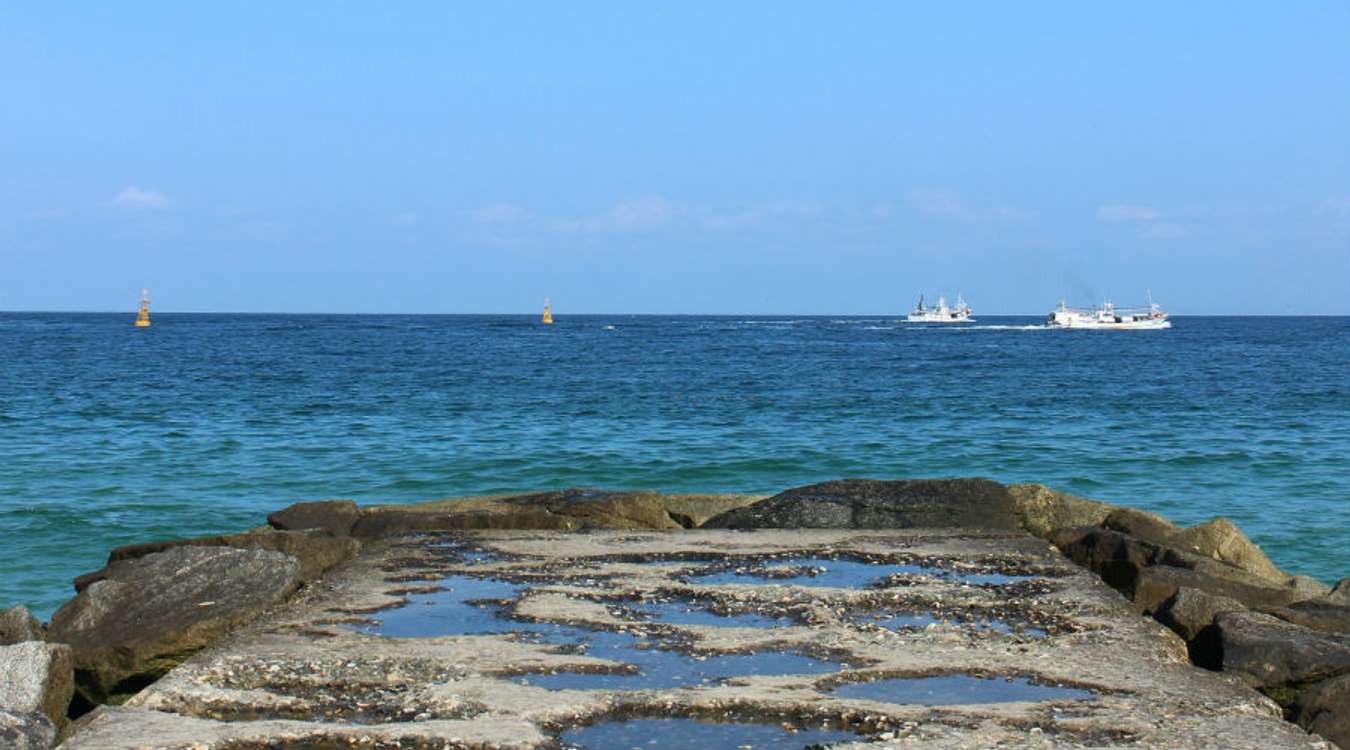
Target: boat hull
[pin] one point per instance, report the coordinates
(1125, 325)
(918, 319)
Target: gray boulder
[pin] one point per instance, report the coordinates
(17, 625)
(600, 509)
(1141, 524)
(1220, 539)
(1122, 559)
(1340, 593)
(1190, 614)
(36, 678)
(334, 516)
(26, 731)
(1115, 556)
(316, 550)
(1155, 585)
(561, 510)
(1318, 614)
(1324, 708)
(1190, 611)
(1271, 653)
(693, 510)
(150, 613)
(395, 522)
(1042, 511)
(879, 504)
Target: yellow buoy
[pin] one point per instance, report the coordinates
(143, 317)
(548, 314)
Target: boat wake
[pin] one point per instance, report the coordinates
(1040, 327)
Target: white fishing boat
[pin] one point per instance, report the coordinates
(941, 313)
(1110, 317)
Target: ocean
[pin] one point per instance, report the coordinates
(204, 423)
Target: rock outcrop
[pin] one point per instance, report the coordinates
(1272, 654)
(26, 731)
(880, 504)
(1340, 593)
(1324, 708)
(155, 604)
(1042, 510)
(1288, 636)
(1098, 676)
(1323, 613)
(333, 516)
(36, 684)
(17, 625)
(316, 550)
(1306, 671)
(563, 510)
(1190, 614)
(148, 614)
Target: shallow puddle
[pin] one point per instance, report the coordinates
(466, 608)
(689, 613)
(688, 734)
(655, 668)
(846, 574)
(809, 571)
(471, 606)
(959, 689)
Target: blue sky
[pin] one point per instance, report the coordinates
(680, 157)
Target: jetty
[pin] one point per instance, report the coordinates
(849, 614)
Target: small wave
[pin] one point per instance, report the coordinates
(878, 328)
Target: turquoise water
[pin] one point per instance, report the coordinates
(204, 423)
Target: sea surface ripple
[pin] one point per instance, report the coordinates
(204, 423)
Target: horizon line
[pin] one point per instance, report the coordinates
(132, 313)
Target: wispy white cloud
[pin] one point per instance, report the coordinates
(405, 219)
(634, 214)
(1125, 212)
(642, 212)
(939, 202)
(759, 214)
(1149, 223)
(501, 213)
(1165, 230)
(948, 204)
(133, 197)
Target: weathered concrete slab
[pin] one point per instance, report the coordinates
(997, 605)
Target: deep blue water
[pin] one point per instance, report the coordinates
(203, 423)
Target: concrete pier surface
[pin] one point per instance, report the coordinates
(932, 637)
